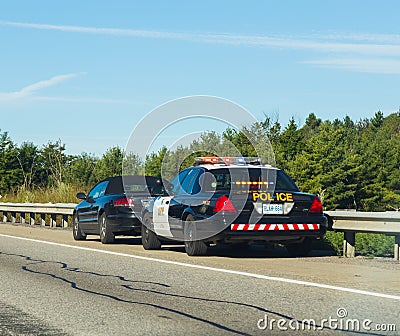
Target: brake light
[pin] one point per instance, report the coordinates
(124, 202)
(316, 205)
(224, 204)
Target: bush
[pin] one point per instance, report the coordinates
(367, 244)
(374, 244)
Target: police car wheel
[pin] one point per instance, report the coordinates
(299, 249)
(106, 236)
(150, 240)
(77, 231)
(193, 247)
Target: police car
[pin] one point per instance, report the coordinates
(233, 201)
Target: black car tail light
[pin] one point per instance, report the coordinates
(124, 202)
(316, 205)
(224, 204)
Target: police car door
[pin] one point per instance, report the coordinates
(182, 200)
(165, 209)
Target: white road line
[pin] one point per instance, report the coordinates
(214, 269)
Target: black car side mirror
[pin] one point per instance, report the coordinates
(81, 195)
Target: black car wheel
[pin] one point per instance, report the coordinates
(300, 249)
(76, 230)
(193, 247)
(150, 240)
(106, 235)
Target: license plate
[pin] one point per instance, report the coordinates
(272, 209)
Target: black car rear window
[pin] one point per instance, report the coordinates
(131, 184)
(250, 178)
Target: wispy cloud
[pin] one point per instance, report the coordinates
(85, 100)
(385, 45)
(373, 53)
(32, 89)
(375, 38)
(96, 30)
(32, 92)
(383, 66)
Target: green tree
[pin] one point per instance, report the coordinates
(10, 173)
(110, 164)
(154, 161)
(80, 171)
(133, 164)
(28, 156)
(53, 162)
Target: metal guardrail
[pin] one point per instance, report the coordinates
(46, 212)
(351, 222)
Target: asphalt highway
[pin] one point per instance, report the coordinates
(52, 285)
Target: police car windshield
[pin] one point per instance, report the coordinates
(252, 179)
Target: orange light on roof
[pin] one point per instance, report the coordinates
(251, 182)
(210, 159)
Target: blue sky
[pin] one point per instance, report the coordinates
(86, 72)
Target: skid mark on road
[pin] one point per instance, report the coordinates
(33, 263)
(220, 270)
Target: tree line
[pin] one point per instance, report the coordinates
(350, 164)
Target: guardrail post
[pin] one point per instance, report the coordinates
(349, 244)
(397, 247)
(22, 217)
(5, 217)
(64, 221)
(13, 217)
(32, 218)
(53, 222)
(43, 219)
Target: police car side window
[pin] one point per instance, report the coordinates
(178, 180)
(187, 185)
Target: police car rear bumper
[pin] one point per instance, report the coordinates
(267, 228)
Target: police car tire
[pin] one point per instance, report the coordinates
(299, 249)
(76, 230)
(106, 235)
(195, 247)
(150, 240)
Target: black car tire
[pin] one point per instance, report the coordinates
(76, 230)
(106, 235)
(193, 247)
(300, 249)
(150, 240)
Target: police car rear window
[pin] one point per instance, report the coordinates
(251, 178)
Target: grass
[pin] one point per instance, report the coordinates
(61, 193)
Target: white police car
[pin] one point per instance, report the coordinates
(233, 200)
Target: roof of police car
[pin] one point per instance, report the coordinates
(209, 166)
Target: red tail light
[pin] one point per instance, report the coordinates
(124, 202)
(224, 204)
(316, 205)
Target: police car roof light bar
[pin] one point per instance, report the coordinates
(227, 160)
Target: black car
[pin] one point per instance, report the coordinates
(113, 207)
(233, 201)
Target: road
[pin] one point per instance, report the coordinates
(52, 285)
